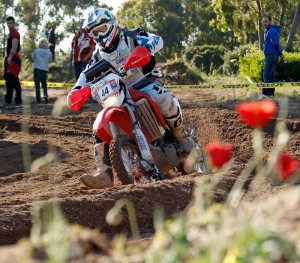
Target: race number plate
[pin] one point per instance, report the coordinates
(104, 88)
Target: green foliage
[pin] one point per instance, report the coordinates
(4, 7)
(130, 16)
(59, 71)
(180, 22)
(205, 58)
(49, 233)
(198, 27)
(244, 17)
(252, 65)
(225, 14)
(28, 45)
(1, 67)
(231, 58)
(216, 234)
(289, 71)
(164, 18)
(27, 70)
(196, 23)
(238, 16)
(36, 15)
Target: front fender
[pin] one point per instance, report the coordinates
(117, 115)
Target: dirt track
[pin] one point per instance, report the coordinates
(69, 136)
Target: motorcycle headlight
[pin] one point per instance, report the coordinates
(110, 101)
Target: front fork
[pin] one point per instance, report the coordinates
(200, 163)
(147, 160)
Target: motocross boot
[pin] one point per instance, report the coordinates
(103, 178)
(176, 125)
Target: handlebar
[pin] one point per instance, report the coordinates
(97, 69)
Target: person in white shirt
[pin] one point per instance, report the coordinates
(42, 56)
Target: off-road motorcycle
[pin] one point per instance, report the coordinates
(142, 147)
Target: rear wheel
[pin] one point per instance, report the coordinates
(126, 161)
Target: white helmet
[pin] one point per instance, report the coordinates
(102, 26)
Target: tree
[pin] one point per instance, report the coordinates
(241, 17)
(198, 26)
(289, 45)
(245, 16)
(284, 4)
(170, 25)
(36, 15)
(25, 9)
(165, 18)
(4, 6)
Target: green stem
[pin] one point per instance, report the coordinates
(131, 215)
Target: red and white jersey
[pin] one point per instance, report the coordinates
(81, 46)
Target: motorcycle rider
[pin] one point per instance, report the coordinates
(114, 44)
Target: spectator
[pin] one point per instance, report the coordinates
(83, 47)
(52, 41)
(12, 65)
(272, 51)
(46, 34)
(41, 57)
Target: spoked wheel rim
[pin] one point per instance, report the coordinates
(126, 161)
(132, 164)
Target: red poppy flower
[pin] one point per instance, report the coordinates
(286, 166)
(256, 113)
(218, 153)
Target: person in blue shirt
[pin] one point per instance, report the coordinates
(46, 33)
(272, 51)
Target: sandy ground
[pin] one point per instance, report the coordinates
(69, 136)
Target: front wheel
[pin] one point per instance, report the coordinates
(126, 161)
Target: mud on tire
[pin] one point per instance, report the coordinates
(122, 151)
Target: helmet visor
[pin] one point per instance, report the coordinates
(100, 30)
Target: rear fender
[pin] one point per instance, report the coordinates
(117, 115)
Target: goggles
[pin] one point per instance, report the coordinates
(100, 31)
